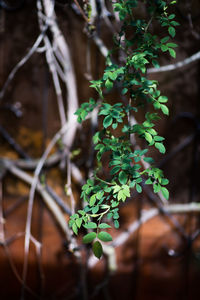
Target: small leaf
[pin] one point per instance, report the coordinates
(95, 209)
(124, 91)
(104, 225)
(164, 48)
(92, 200)
(88, 238)
(164, 181)
(108, 84)
(172, 16)
(172, 31)
(107, 121)
(90, 225)
(148, 181)
(123, 177)
(114, 125)
(121, 196)
(155, 64)
(116, 189)
(165, 192)
(79, 222)
(104, 236)
(115, 170)
(162, 99)
(138, 188)
(74, 228)
(156, 188)
(172, 45)
(160, 147)
(164, 40)
(172, 52)
(148, 137)
(116, 224)
(97, 249)
(164, 109)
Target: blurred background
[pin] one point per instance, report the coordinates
(156, 256)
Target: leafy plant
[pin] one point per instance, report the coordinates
(141, 48)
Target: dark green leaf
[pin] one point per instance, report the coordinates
(107, 121)
(88, 238)
(123, 177)
(172, 31)
(165, 192)
(97, 249)
(104, 225)
(108, 84)
(90, 225)
(104, 236)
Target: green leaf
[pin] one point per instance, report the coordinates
(108, 84)
(90, 225)
(115, 170)
(104, 236)
(172, 52)
(172, 31)
(95, 209)
(126, 190)
(107, 121)
(172, 45)
(160, 147)
(123, 177)
(97, 249)
(116, 189)
(114, 125)
(158, 138)
(155, 64)
(156, 188)
(116, 224)
(165, 192)
(162, 99)
(164, 48)
(88, 238)
(104, 225)
(148, 160)
(138, 188)
(124, 91)
(148, 137)
(164, 181)
(148, 181)
(75, 229)
(121, 196)
(164, 40)
(79, 222)
(172, 16)
(164, 109)
(92, 200)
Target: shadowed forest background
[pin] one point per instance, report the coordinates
(155, 253)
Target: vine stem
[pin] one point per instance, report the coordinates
(146, 216)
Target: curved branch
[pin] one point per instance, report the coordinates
(177, 65)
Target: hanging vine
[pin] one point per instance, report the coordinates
(141, 47)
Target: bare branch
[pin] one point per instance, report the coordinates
(23, 61)
(145, 217)
(177, 65)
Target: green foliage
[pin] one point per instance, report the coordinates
(141, 48)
